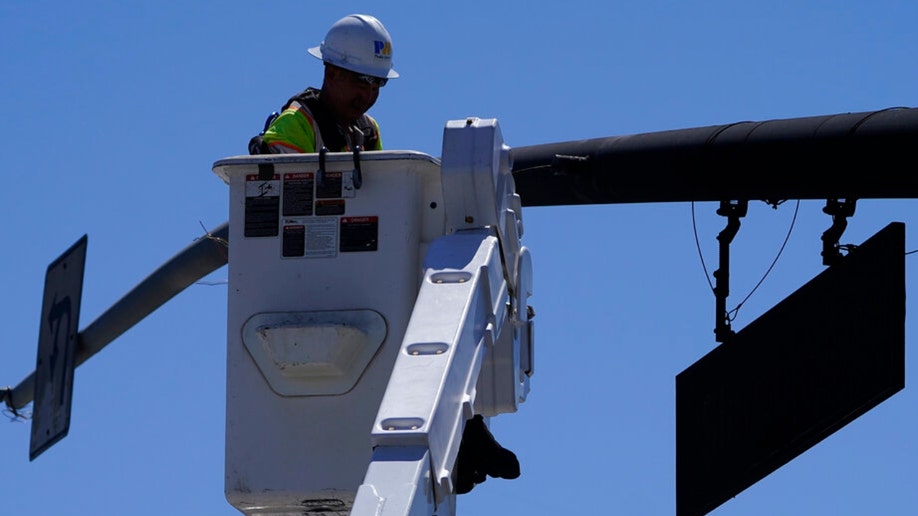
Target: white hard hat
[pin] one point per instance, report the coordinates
(359, 43)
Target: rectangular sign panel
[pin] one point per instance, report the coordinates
(819, 359)
(57, 341)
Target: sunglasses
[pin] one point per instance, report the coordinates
(371, 80)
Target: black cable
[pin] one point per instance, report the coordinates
(767, 272)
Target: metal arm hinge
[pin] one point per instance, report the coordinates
(840, 210)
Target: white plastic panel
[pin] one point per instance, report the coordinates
(313, 353)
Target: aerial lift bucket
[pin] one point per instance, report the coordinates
(326, 261)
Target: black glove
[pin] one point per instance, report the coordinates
(480, 456)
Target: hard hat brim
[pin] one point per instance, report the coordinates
(317, 53)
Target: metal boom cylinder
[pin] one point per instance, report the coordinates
(844, 156)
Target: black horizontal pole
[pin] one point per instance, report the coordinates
(867, 155)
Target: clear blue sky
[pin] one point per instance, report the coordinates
(113, 112)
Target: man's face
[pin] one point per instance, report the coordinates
(349, 95)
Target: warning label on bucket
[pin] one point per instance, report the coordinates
(262, 206)
(359, 234)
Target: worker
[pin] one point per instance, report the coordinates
(357, 53)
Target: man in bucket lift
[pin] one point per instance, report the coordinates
(357, 53)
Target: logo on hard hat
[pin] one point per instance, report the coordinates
(383, 49)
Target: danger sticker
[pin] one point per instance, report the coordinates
(294, 241)
(330, 186)
(359, 234)
(330, 207)
(298, 194)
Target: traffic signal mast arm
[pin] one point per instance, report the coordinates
(866, 155)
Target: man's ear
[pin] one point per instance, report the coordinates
(331, 72)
